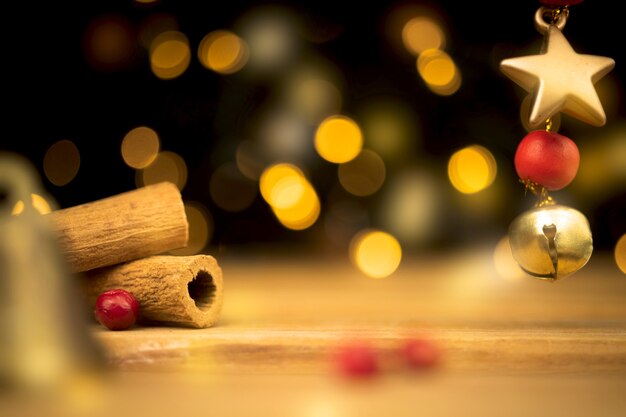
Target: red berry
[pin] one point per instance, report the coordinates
(420, 353)
(357, 359)
(117, 309)
(547, 158)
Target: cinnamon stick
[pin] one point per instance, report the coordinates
(139, 223)
(173, 290)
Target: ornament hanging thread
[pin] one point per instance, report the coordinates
(551, 240)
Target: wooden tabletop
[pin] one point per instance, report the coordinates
(515, 347)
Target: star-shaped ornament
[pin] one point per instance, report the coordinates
(560, 80)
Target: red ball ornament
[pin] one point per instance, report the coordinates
(548, 159)
(356, 359)
(116, 309)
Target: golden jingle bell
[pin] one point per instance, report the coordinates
(551, 242)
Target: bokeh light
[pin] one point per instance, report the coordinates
(271, 37)
(315, 99)
(412, 206)
(230, 190)
(472, 169)
(223, 51)
(61, 162)
(504, 263)
(363, 175)
(376, 253)
(421, 33)
(38, 203)
(620, 253)
(169, 55)
(439, 72)
(200, 229)
(168, 166)
(109, 43)
(290, 195)
(285, 137)
(140, 147)
(390, 128)
(273, 175)
(338, 139)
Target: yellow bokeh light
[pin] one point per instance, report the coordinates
(364, 175)
(472, 169)
(292, 198)
(38, 203)
(421, 33)
(61, 162)
(504, 263)
(200, 229)
(169, 55)
(273, 175)
(315, 99)
(377, 254)
(620, 253)
(168, 166)
(304, 211)
(439, 72)
(140, 147)
(223, 51)
(338, 139)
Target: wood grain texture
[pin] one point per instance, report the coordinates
(174, 290)
(139, 223)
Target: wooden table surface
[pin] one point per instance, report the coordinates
(511, 347)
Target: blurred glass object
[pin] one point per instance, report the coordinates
(38, 202)
(44, 342)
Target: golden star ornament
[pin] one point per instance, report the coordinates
(560, 80)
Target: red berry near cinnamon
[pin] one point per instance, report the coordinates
(548, 159)
(356, 359)
(116, 309)
(420, 353)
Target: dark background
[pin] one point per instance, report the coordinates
(53, 93)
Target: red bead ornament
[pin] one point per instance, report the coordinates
(420, 353)
(548, 159)
(116, 309)
(357, 359)
(560, 2)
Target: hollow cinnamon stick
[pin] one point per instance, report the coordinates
(139, 223)
(178, 290)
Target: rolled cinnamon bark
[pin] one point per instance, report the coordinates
(173, 290)
(139, 223)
